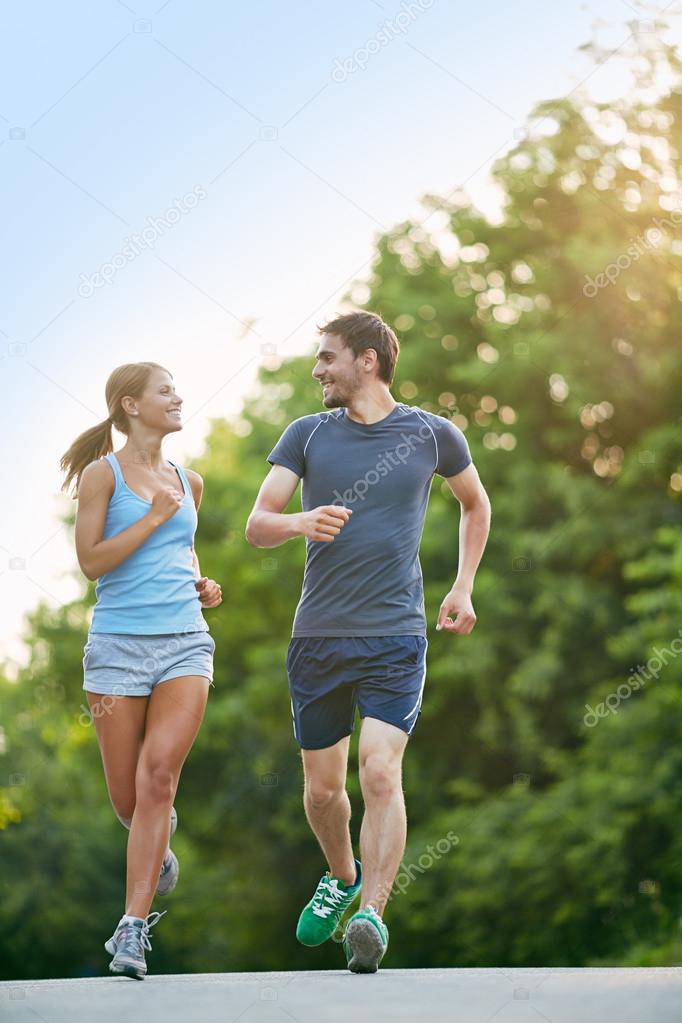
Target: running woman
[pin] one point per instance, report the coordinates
(148, 659)
(359, 633)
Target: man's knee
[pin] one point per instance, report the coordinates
(321, 791)
(380, 776)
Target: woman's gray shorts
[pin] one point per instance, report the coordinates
(124, 665)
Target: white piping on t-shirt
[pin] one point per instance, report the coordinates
(323, 419)
(417, 412)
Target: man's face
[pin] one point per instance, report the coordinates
(338, 372)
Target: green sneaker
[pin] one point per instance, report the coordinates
(321, 916)
(365, 941)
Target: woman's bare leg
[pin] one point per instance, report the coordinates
(120, 723)
(174, 714)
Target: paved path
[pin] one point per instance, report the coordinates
(420, 996)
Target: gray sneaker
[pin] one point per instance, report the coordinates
(170, 868)
(170, 871)
(127, 945)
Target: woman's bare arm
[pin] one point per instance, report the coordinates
(210, 592)
(197, 484)
(95, 555)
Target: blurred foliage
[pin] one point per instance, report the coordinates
(569, 844)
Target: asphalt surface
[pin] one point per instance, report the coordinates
(646, 995)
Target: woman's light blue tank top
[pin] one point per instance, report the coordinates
(152, 592)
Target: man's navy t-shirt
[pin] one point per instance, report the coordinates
(367, 581)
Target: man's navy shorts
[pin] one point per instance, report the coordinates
(329, 676)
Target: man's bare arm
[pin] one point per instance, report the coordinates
(474, 527)
(269, 526)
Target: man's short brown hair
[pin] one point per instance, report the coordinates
(360, 331)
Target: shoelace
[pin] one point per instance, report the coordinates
(377, 916)
(328, 891)
(132, 935)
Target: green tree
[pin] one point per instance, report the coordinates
(565, 847)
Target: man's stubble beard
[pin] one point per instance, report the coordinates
(341, 399)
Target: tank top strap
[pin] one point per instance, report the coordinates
(183, 476)
(118, 475)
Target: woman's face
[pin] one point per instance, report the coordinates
(160, 405)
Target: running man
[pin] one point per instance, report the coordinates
(148, 660)
(359, 633)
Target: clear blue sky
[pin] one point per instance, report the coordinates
(110, 112)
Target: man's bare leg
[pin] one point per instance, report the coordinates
(384, 825)
(327, 806)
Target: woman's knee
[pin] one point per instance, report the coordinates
(156, 781)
